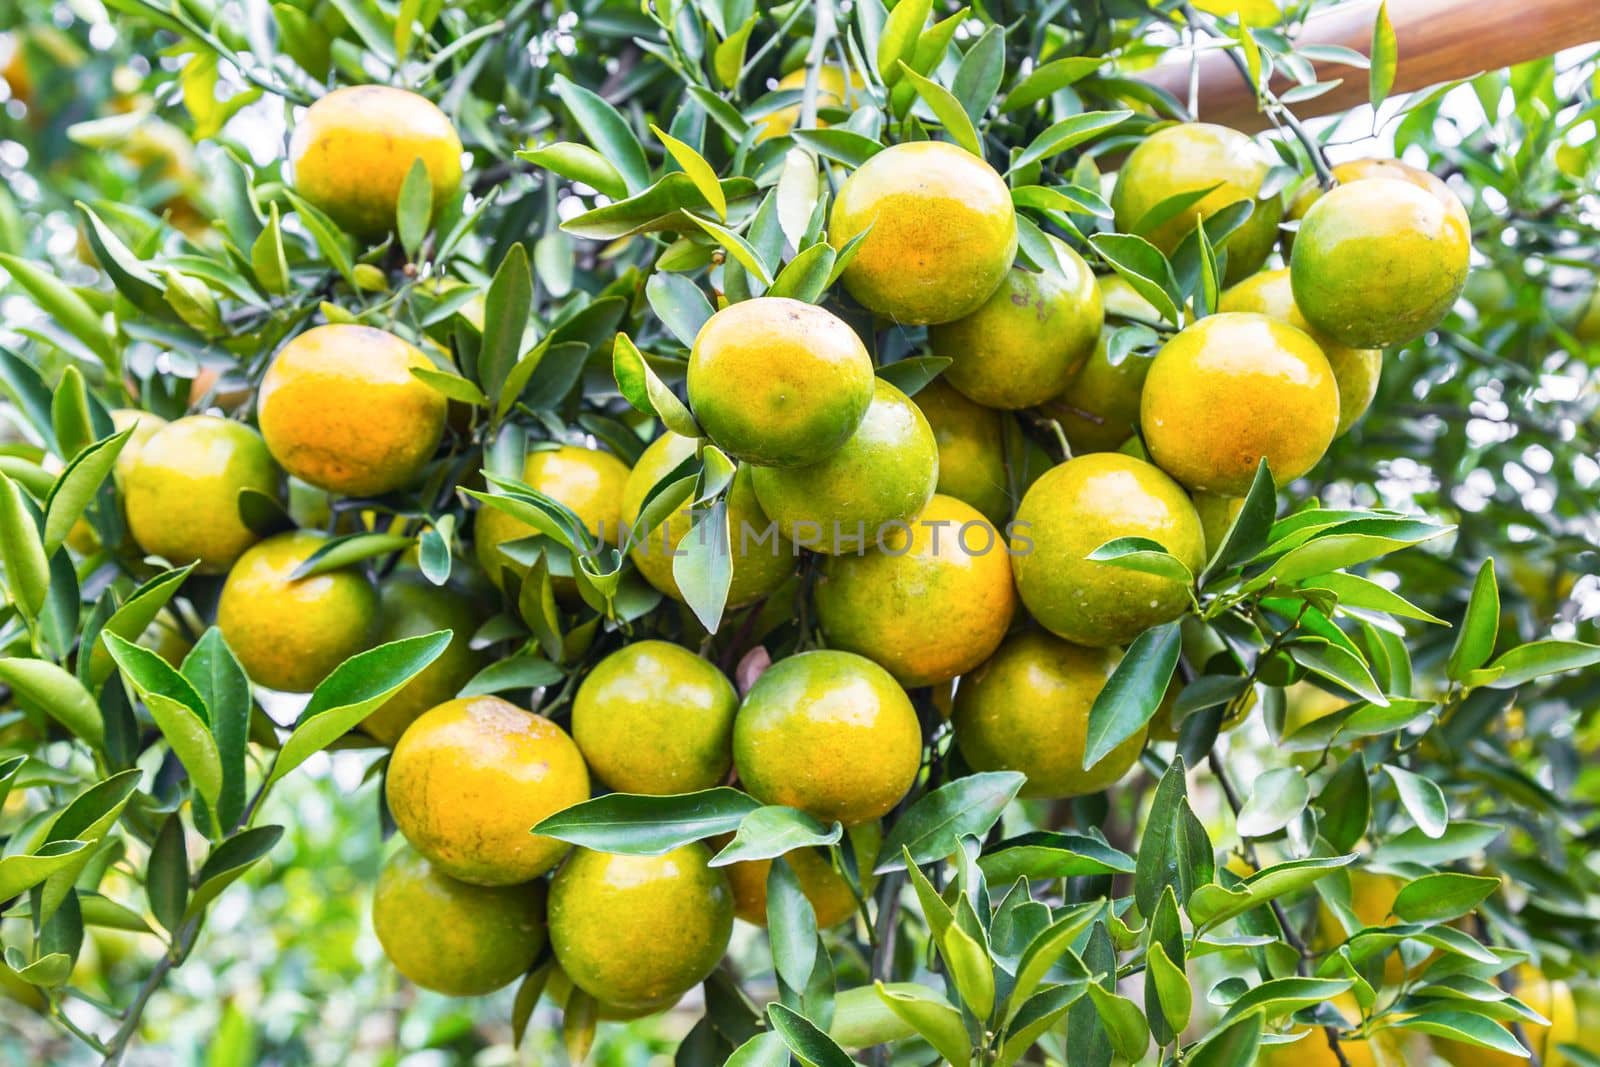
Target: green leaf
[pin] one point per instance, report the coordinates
(1339, 550)
(1251, 528)
(810, 1045)
(505, 319)
(699, 171)
(1172, 851)
(227, 862)
(1423, 800)
(932, 1017)
(1276, 799)
(178, 711)
(1385, 57)
(608, 132)
(166, 880)
(898, 42)
(1441, 897)
(679, 304)
(356, 687)
(1233, 1046)
(127, 272)
(727, 60)
(20, 873)
(1124, 1022)
(1069, 133)
(330, 240)
(553, 256)
(1134, 691)
(805, 277)
(773, 831)
(1283, 996)
(839, 144)
(414, 211)
(932, 827)
(580, 163)
(22, 551)
(45, 687)
(340, 552)
(1143, 555)
(134, 617)
(452, 386)
(1048, 948)
(1143, 266)
(766, 1049)
(980, 73)
(1346, 803)
(791, 927)
(968, 962)
(664, 206)
(1049, 78)
(222, 685)
(911, 374)
(1340, 666)
(1173, 994)
(1473, 1029)
(1037, 1016)
(1355, 591)
(949, 111)
(738, 248)
(518, 672)
(63, 304)
(646, 392)
(1046, 854)
(637, 825)
(1461, 840)
(1479, 628)
(1537, 659)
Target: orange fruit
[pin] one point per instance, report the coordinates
(1355, 370)
(828, 732)
(1074, 509)
(451, 937)
(1027, 341)
(1383, 1049)
(409, 606)
(827, 890)
(883, 474)
(144, 426)
(933, 602)
(470, 777)
(834, 88)
(1379, 262)
(943, 234)
(340, 409)
(1027, 710)
(1187, 158)
(637, 932)
(778, 382)
(971, 445)
(1234, 389)
(352, 149)
(290, 633)
(653, 717)
(1356, 170)
(1217, 514)
(1100, 406)
(588, 481)
(762, 560)
(182, 490)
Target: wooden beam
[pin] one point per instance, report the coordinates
(1439, 40)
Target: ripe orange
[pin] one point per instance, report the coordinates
(1186, 158)
(834, 89)
(289, 633)
(778, 382)
(637, 932)
(829, 894)
(451, 937)
(588, 481)
(144, 426)
(409, 606)
(468, 780)
(183, 490)
(1074, 509)
(1029, 339)
(933, 602)
(352, 149)
(828, 732)
(1027, 710)
(971, 443)
(943, 235)
(653, 717)
(883, 474)
(1379, 262)
(1231, 390)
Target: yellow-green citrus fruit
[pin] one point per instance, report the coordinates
(1030, 337)
(1099, 409)
(1216, 517)
(943, 235)
(1186, 159)
(826, 889)
(183, 490)
(1383, 1049)
(1379, 262)
(971, 443)
(451, 937)
(761, 562)
(588, 481)
(340, 409)
(410, 606)
(1074, 509)
(352, 149)
(291, 633)
(1356, 170)
(1305, 703)
(778, 382)
(639, 931)
(828, 732)
(468, 780)
(653, 717)
(144, 426)
(1551, 999)
(1027, 710)
(883, 474)
(1587, 326)
(1355, 370)
(931, 603)
(834, 88)
(1234, 389)
(1372, 897)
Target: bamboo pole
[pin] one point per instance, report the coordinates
(1439, 40)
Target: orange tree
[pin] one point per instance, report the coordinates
(1077, 583)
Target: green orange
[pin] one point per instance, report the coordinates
(971, 444)
(1379, 262)
(352, 149)
(1027, 710)
(290, 633)
(828, 732)
(933, 601)
(778, 382)
(1234, 389)
(144, 426)
(884, 473)
(943, 232)
(653, 717)
(1185, 159)
(762, 560)
(637, 932)
(1217, 514)
(409, 606)
(469, 779)
(340, 409)
(451, 937)
(1355, 170)
(1099, 409)
(1025, 343)
(1075, 508)
(182, 490)
(1355, 370)
(588, 481)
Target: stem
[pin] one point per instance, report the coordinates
(820, 37)
(118, 1044)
